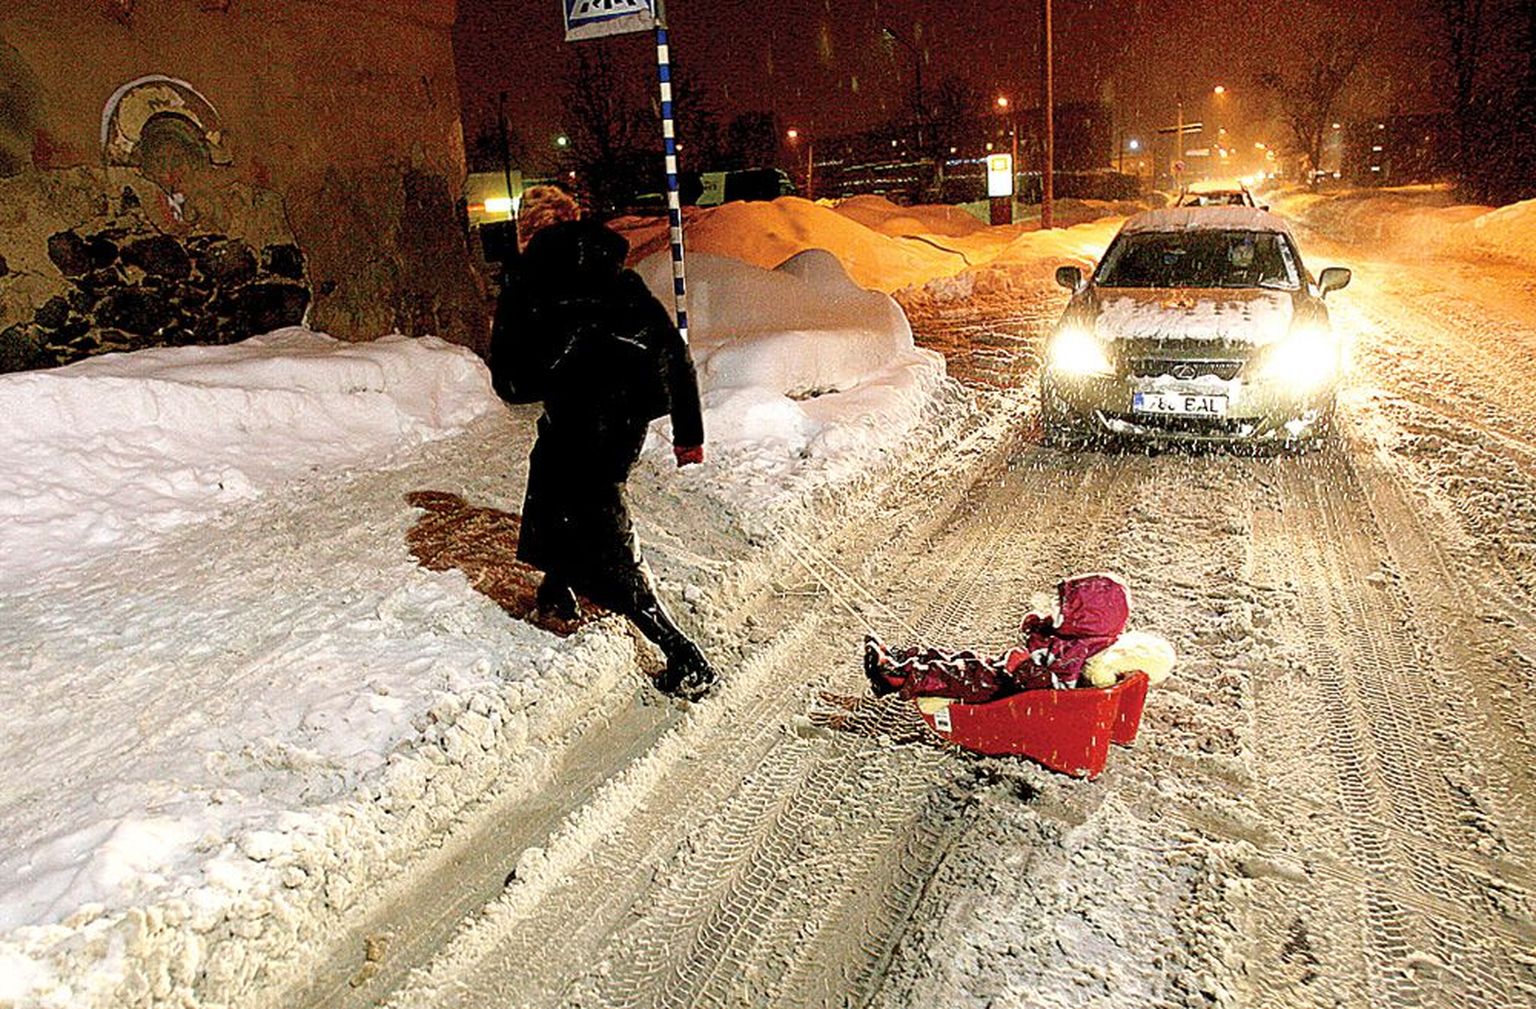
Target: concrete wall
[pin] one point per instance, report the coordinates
(332, 126)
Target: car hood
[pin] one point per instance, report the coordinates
(1247, 316)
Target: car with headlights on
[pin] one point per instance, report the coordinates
(1199, 324)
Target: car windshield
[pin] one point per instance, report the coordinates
(1200, 258)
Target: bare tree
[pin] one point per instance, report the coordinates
(1490, 52)
(1464, 48)
(1308, 89)
(700, 144)
(956, 106)
(752, 140)
(610, 139)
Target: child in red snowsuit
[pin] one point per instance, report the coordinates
(1091, 612)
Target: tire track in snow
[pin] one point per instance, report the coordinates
(1400, 753)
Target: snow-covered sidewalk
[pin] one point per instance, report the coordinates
(237, 703)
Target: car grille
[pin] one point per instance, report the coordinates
(1154, 367)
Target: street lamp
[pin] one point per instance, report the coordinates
(793, 135)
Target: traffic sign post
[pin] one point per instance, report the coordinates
(1000, 187)
(592, 19)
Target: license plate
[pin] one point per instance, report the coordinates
(1179, 404)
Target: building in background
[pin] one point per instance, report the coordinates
(1397, 150)
(194, 171)
(888, 159)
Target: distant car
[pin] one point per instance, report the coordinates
(1216, 194)
(1200, 323)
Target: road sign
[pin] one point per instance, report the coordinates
(591, 19)
(1186, 128)
(712, 189)
(999, 175)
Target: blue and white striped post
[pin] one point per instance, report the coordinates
(669, 146)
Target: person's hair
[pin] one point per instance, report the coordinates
(541, 207)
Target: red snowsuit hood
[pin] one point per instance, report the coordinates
(1093, 610)
(1092, 606)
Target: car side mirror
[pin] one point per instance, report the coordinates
(1335, 278)
(1071, 278)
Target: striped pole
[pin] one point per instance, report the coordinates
(669, 146)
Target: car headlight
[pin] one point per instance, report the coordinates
(1075, 351)
(1304, 360)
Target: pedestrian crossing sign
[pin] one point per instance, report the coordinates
(590, 19)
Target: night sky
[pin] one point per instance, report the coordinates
(822, 64)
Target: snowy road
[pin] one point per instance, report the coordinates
(1331, 803)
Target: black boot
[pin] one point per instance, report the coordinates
(688, 674)
(556, 599)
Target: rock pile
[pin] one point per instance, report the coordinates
(129, 289)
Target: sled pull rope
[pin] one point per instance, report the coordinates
(848, 579)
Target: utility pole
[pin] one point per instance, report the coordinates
(810, 168)
(506, 155)
(1178, 142)
(917, 63)
(1047, 180)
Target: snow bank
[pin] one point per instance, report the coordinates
(1421, 218)
(766, 234)
(1019, 277)
(104, 451)
(1508, 232)
(879, 214)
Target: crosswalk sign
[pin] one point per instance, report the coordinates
(590, 19)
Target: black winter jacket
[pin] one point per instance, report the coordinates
(578, 331)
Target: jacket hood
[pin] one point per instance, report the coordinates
(1240, 316)
(1092, 606)
(573, 250)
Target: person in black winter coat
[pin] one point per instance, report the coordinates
(579, 332)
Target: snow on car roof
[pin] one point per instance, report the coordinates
(1206, 219)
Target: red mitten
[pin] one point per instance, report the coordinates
(688, 455)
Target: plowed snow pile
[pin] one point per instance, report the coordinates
(882, 247)
(879, 214)
(1421, 217)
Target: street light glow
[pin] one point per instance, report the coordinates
(793, 134)
(1135, 144)
(1220, 89)
(1002, 101)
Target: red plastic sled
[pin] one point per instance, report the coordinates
(1066, 730)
